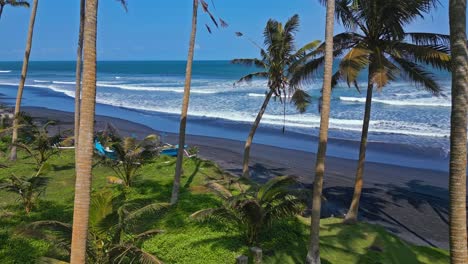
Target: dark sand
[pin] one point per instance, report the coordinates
(411, 203)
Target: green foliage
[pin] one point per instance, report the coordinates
(27, 188)
(256, 208)
(36, 141)
(115, 233)
(185, 240)
(131, 155)
(278, 61)
(381, 45)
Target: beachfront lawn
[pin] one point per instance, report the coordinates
(187, 241)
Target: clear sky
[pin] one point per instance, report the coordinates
(159, 30)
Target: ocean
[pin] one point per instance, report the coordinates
(406, 119)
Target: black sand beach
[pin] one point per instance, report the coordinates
(411, 203)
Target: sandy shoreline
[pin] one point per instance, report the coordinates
(410, 202)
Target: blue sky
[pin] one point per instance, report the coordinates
(159, 30)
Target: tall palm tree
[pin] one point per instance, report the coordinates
(381, 46)
(313, 254)
(278, 60)
(79, 60)
(24, 72)
(13, 3)
(85, 150)
(457, 182)
(186, 97)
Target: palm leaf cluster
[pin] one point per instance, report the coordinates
(278, 61)
(131, 155)
(116, 230)
(36, 141)
(376, 40)
(255, 209)
(29, 189)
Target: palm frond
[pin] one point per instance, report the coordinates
(250, 76)
(274, 186)
(219, 189)
(17, 3)
(250, 62)
(353, 63)
(119, 253)
(419, 76)
(301, 99)
(421, 38)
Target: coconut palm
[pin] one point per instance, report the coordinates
(186, 97)
(24, 72)
(376, 42)
(85, 151)
(115, 234)
(13, 3)
(313, 252)
(457, 182)
(130, 155)
(255, 209)
(79, 62)
(277, 62)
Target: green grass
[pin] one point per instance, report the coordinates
(186, 241)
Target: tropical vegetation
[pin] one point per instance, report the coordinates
(64, 205)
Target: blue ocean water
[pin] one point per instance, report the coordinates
(402, 113)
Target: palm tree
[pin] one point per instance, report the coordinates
(186, 97)
(24, 72)
(277, 63)
(79, 60)
(13, 3)
(130, 155)
(457, 182)
(383, 48)
(85, 150)
(313, 254)
(28, 188)
(116, 231)
(256, 208)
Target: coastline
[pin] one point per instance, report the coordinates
(409, 202)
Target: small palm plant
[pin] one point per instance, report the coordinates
(29, 189)
(37, 142)
(115, 233)
(256, 208)
(277, 64)
(130, 155)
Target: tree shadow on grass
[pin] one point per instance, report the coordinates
(194, 173)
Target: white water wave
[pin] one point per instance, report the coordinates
(430, 102)
(6, 71)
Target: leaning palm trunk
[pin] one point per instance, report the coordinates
(85, 150)
(248, 142)
(185, 104)
(313, 254)
(351, 216)
(79, 59)
(24, 72)
(458, 133)
(1, 10)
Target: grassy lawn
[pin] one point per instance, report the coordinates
(187, 241)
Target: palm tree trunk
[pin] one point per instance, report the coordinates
(24, 72)
(351, 216)
(85, 150)
(458, 133)
(1, 10)
(313, 254)
(185, 104)
(248, 142)
(79, 59)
